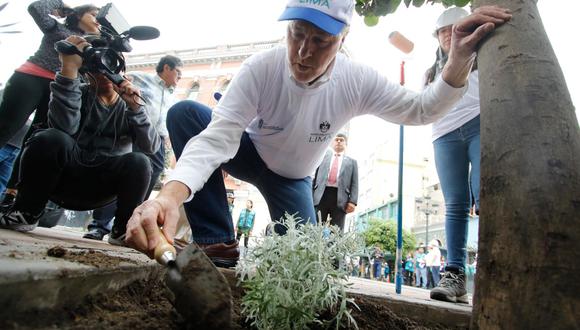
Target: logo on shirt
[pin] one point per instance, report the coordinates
(324, 136)
(324, 126)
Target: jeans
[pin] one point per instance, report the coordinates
(377, 270)
(421, 277)
(7, 156)
(454, 153)
(103, 217)
(208, 212)
(435, 275)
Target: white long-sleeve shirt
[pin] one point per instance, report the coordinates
(291, 124)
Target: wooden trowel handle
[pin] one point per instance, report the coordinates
(162, 248)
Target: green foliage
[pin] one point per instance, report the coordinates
(291, 280)
(371, 10)
(384, 234)
(375, 8)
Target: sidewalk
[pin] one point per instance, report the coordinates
(50, 268)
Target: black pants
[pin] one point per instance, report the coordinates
(246, 238)
(53, 167)
(24, 93)
(329, 206)
(103, 215)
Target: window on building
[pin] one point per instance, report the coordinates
(193, 91)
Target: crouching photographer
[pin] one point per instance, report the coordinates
(85, 160)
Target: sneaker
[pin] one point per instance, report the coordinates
(95, 234)
(117, 238)
(451, 287)
(18, 220)
(7, 201)
(225, 255)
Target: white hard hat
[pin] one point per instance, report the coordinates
(434, 242)
(449, 17)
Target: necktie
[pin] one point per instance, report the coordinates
(333, 171)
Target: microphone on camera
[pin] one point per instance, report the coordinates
(142, 32)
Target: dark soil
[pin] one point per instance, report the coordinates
(87, 257)
(374, 315)
(141, 305)
(144, 305)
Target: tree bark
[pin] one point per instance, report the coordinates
(528, 274)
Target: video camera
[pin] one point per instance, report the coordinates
(104, 55)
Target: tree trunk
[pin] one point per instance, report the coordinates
(528, 274)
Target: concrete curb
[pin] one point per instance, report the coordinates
(44, 286)
(32, 280)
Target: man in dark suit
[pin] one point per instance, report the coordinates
(336, 184)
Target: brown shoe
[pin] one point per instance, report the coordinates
(222, 254)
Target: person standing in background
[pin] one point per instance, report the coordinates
(335, 190)
(246, 222)
(456, 144)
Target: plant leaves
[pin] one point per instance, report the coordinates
(394, 5)
(448, 3)
(462, 3)
(418, 3)
(371, 20)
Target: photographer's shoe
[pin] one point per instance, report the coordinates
(451, 287)
(117, 237)
(225, 255)
(7, 201)
(95, 234)
(18, 220)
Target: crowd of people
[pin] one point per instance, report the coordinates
(98, 145)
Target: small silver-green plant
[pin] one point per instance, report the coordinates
(297, 280)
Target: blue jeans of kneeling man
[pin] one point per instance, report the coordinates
(208, 213)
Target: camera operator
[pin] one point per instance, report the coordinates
(85, 160)
(157, 89)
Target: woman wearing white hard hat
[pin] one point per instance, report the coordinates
(456, 145)
(433, 262)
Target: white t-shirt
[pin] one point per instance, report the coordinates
(291, 124)
(433, 257)
(465, 110)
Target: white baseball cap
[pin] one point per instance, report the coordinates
(329, 15)
(449, 17)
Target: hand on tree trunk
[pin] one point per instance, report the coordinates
(465, 39)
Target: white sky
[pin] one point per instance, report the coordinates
(191, 24)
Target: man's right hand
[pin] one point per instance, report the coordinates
(72, 63)
(163, 211)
